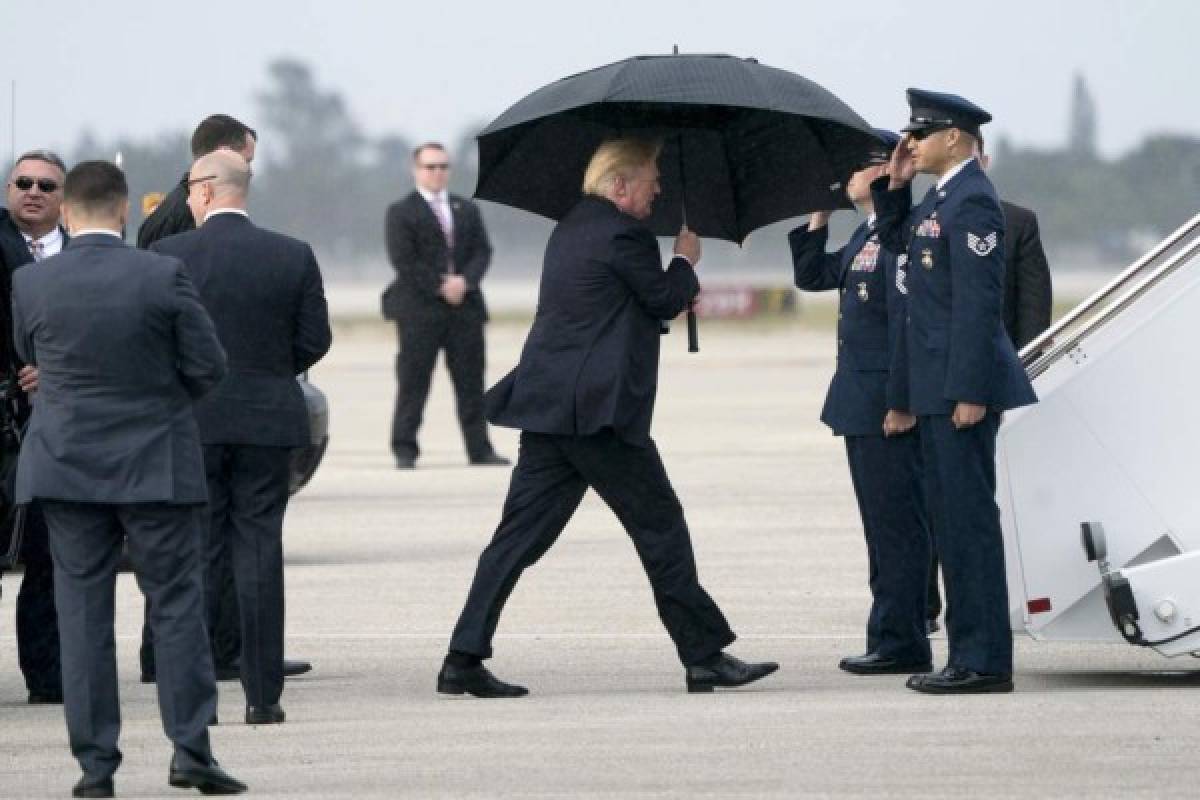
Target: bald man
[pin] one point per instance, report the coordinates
(265, 295)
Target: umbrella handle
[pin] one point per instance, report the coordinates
(693, 333)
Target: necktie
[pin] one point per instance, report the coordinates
(447, 230)
(38, 248)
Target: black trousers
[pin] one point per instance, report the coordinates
(164, 546)
(247, 490)
(549, 481)
(886, 472)
(420, 339)
(224, 629)
(960, 485)
(37, 620)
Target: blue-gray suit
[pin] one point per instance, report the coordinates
(112, 452)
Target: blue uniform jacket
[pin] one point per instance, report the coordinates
(870, 310)
(954, 348)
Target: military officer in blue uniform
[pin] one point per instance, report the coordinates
(956, 371)
(884, 470)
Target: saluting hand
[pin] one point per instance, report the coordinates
(27, 378)
(967, 414)
(687, 244)
(902, 167)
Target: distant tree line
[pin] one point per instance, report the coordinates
(322, 178)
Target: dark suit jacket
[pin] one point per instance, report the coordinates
(591, 359)
(870, 318)
(122, 347)
(265, 295)
(1028, 300)
(417, 249)
(171, 217)
(955, 348)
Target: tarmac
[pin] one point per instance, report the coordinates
(378, 562)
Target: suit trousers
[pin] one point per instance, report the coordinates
(549, 481)
(886, 473)
(37, 620)
(421, 338)
(960, 484)
(224, 630)
(164, 545)
(248, 495)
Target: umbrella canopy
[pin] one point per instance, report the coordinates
(745, 144)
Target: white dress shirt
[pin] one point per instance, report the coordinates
(50, 245)
(942, 181)
(440, 203)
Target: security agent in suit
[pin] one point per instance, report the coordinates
(955, 371)
(119, 348)
(30, 232)
(583, 396)
(885, 470)
(1028, 305)
(440, 251)
(265, 295)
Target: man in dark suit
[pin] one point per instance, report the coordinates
(956, 372)
(215, 132)
(266, 298)
(885, 470)
(118, 348)
(440, 251)
(30, 231)
(583, 397)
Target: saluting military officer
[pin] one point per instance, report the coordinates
(955, 370)
(884, 470)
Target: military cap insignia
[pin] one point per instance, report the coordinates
(981, 246)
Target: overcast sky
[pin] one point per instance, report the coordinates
(429, 70)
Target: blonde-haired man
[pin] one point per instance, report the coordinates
(583, 396)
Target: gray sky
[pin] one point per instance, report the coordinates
(124, 67)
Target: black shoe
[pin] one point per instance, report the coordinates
(405, 462)
(45, 698)
(726, 672)
(265, 715)
(955, 680)
(149, 677)
(931, 626)
(875, 664)
(491, 460)
(477, 681)
(228, 672)
(93, 787)
(210, 779)
(294, 668)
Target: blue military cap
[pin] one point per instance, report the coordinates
(933, 111)
(882, 153)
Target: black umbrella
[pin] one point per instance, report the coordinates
(745, 144)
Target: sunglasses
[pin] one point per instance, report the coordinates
(925, 133)
(25, 183)
(442, 166)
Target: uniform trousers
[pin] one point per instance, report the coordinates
(549, 481)
(164, 544)
(37, 620)
(960, 483)
(886, 472)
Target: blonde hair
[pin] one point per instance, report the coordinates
(618, 157)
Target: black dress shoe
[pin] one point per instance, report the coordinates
(477, 681)
(228, 672)
(265, 715)
(149, 677)
(210, 779)
(490, 460)
(405, 462)
(294, 668)
(955, 680)
(726, 672)
(93, 787)
(45, 698)
(932, 626)
(875, 664)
